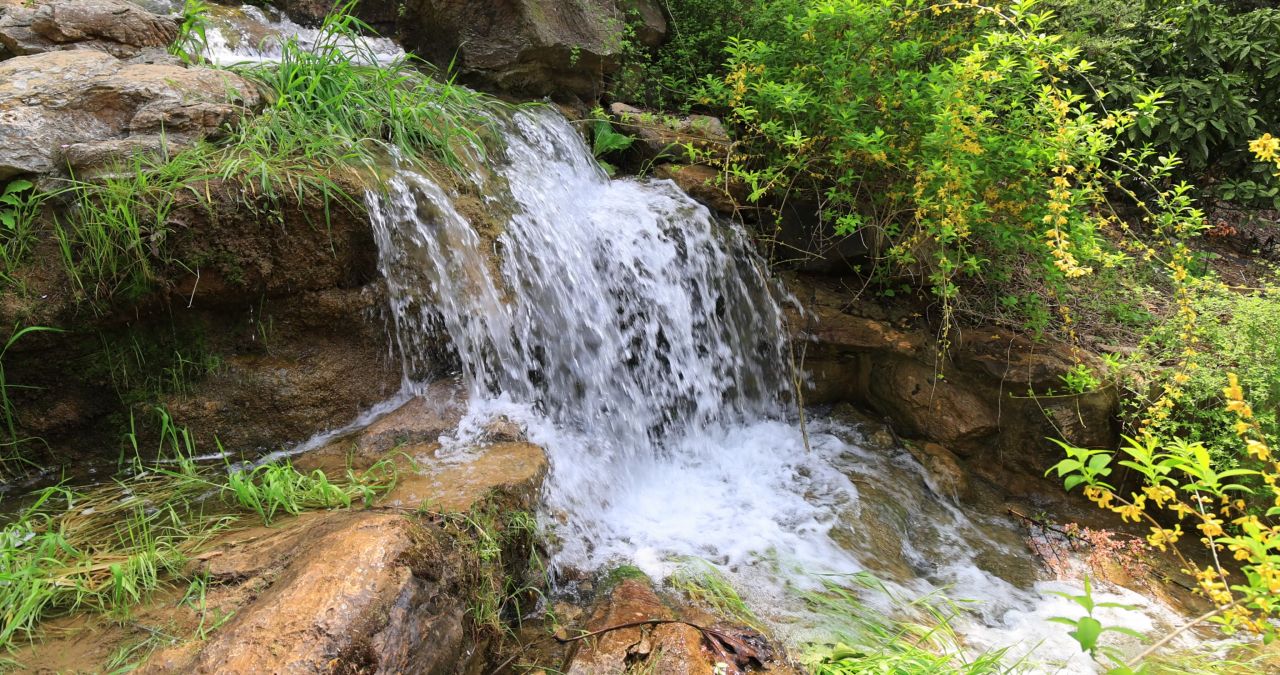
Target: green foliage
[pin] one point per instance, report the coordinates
(114, 234)
(864, 640)
(606, 141)
(336, 91)
(705, 585)
(1218, 65)
(1238, 328)
(110, 547)
(273, 488)
(193, 39)
(697, 32)
(20, 203)
(1087, 630)
(946, 132)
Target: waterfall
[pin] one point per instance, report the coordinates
(639, 334)
(642, 345)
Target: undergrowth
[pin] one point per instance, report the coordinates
(107, 548)
(332, 116)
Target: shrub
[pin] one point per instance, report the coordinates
(1217, 64)
(947, 134)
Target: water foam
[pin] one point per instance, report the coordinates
(638, 341)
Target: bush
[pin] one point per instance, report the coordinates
(1218, 65)
(946, 133)
(1239, 330)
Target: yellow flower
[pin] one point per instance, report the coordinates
(1159, 494)
(1211, 527)
(1100, 496)
(1265, 147)
(1159, 536)
(1258, 449)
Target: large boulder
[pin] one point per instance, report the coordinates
(119, 28)
(558, 48)
(60, 105)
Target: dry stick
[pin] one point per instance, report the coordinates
(1133, 663)
(609, 629)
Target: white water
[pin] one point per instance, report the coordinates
(637, 340)
(639, 344)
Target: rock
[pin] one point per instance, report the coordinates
(911, 394)
(943, 473)
(659, 136)
(116, 27)
(664, 648)
(850, 333)
(53, 101)
(558, 48)
(670, 646)
(648, 20)
(705, 184)
(454, 484)
(356, 593)
(528, 47)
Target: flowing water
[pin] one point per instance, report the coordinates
(641, 343)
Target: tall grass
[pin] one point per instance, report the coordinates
(865, 640)
(332, 112)
(108, 548)
(335, 89)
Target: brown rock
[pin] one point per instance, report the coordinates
(52, 101)
(350, 597)
(706, 185)
(116, 27)
(943, 473)
(933, 408)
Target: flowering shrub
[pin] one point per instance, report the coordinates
(946, 131)
(1182, 493)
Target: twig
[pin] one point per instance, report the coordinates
(1133, 663)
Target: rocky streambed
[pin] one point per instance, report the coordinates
(583, 383)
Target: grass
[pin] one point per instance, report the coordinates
(706, 585)
(500, 548)
(110, 547)
(332, 115)
(864, 640)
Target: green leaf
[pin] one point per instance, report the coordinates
(1087, 631)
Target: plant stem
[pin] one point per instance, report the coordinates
(1133, 663)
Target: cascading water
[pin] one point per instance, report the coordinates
(643, 347)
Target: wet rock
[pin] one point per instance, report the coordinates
(358, 593)
(706, 185)
(116, 27)
(453, 484)
(667, 639)
(672, 650)
(925, 405)
(943, 472)
(53, 101)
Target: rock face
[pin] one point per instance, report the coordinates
(347, 591)
(558, 48)
(63, 105)
(116, 27)
(977, 402)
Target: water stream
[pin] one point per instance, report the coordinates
(641, 343)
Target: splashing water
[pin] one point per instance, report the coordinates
(642, 346)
